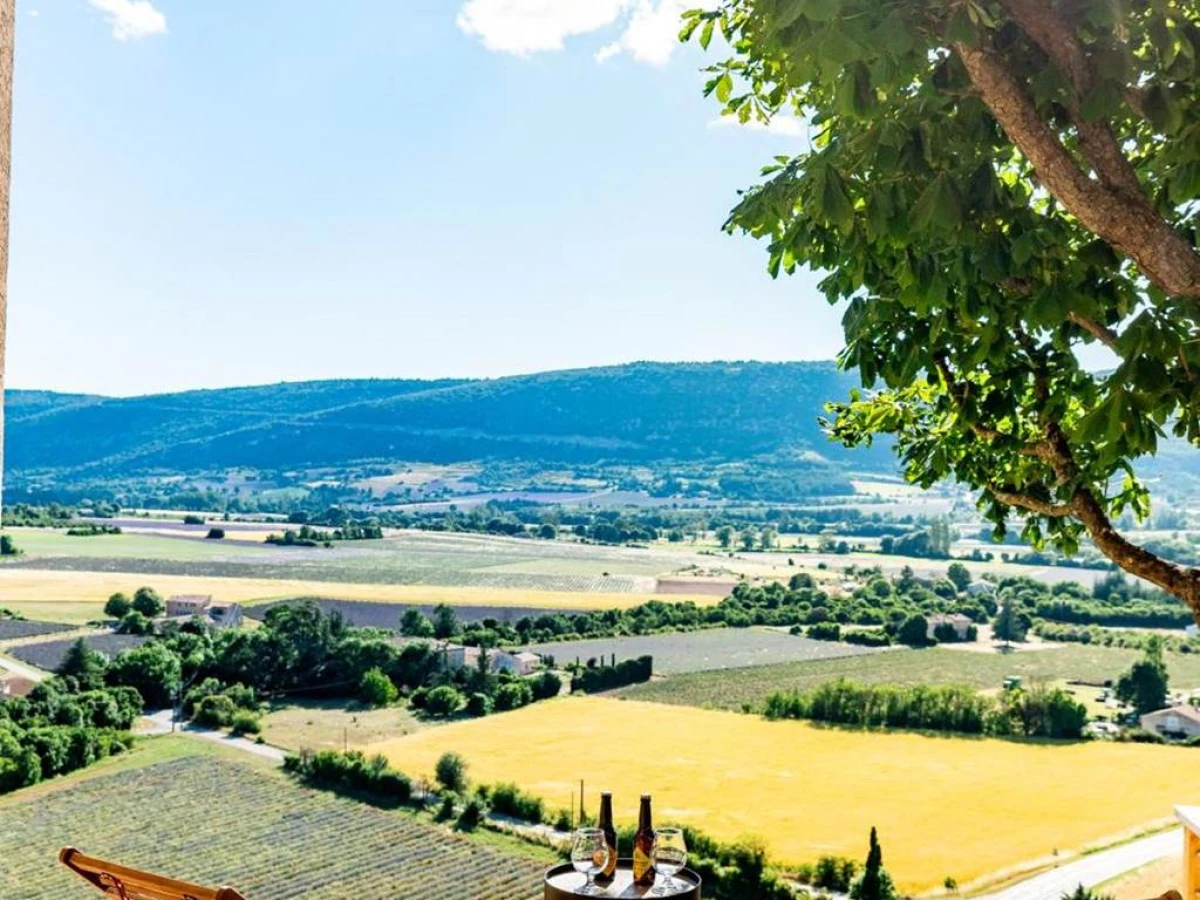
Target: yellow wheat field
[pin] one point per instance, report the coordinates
(960, 807)
(80, 596)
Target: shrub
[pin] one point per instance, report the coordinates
(512, 695)
(546, 686)
(1140, 736)
(914, 631)
(193, 519)
(118, 606)
(244, 722)
(606, 678)
(825, 631)
(510, 800)
(419, 698)
(376, 688)
(215, 534)
(147, 601)
(479, 704)
(834, 873)
(352, 771)
(451, 772)
(133, 622)
(443, 701)
(471, 816)
(215, 711)
(867, 638)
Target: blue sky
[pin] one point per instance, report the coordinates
(209, 192)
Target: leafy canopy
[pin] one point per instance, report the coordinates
(990, 185)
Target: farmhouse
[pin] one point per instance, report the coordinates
(188, 605)
(1175, 721)
(456, 656)
(960, 623)
(524, 663)
(216, 614)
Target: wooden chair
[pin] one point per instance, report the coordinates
(123, 883)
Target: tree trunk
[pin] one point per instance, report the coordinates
(8, 24)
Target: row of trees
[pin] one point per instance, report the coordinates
(1038, 711)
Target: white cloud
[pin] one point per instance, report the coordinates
(781, 125)
(653, 31)
(529, 26)
(132, 19)
(649, 28)
(33, 14)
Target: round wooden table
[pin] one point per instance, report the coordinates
(563, 883)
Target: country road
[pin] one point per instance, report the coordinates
(1093, 869)
(22, 670)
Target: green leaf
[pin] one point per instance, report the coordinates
(838, 48)
(895, 35)
(960, 29)
(835, 202)
(822, 10)
(706, 33)
(1100, 102)
(939, 206)
(724, 87)
(788, 14)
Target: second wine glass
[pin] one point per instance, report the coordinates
(669, 856)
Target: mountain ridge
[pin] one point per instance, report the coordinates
(642, 411)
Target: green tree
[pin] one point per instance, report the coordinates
(748, 537)
(725, 537)
(86, 666)
(451, 772)
(992, 186)
(1145, 685)
(445, 621)
(443, 701)
(147, 601)
(958, 575)
(914, 631)
(376, 688)
(8, 547)
(766, 538)
(415, 623)
(874, 883)
(117, 606)
(1009, 624)
(547, 531)
(152, 670)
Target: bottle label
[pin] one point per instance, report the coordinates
(643, 866)
(610, 868)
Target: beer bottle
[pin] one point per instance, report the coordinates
(610, 836)
(643, 846)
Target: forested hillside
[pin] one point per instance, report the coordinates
(631, 413)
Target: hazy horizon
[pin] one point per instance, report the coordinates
(405, 377)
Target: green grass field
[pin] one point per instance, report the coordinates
(732, 688)
(188, 812)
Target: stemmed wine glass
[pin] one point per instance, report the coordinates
(669, 856)
(589, 855)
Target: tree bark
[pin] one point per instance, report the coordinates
(1182, 581)
(8, 23)
(1108, 206)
